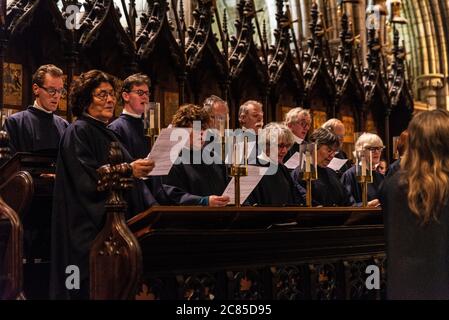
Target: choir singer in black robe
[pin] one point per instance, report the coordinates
(299, 121)
(129, 125)
(193, 174)
(416, 213)
(372, 142)
(78, 208)
(276, 188)
(38, 128)
(327, 190)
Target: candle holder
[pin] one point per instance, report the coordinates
(364, 172)
(308, 168)
(237, 169)
(152, 121)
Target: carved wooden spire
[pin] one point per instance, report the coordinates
(115, 256)
(372, 74)
(396, 78)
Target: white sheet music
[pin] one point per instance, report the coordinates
(293, 162)
(336, 163)
(247, 184)
(163, 148)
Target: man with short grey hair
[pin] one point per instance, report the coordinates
(338, 128)
(218, 111)
(299, 121)
(251, 115)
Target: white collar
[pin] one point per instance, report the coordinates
(37, 106)
(298, 140)
(131, 114)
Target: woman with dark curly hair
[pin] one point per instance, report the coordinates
(78, 208)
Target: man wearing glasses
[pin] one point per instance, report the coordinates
(299, 121)
(129, 125)
(38, 128)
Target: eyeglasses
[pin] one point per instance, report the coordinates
(103, 95)
(141, 92)
(284, 145)
(304, 124)
(374, 148)
(53, 91)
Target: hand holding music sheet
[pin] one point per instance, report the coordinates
(336, 163)
(161, 151)
(247, 184)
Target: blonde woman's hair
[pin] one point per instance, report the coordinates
(280, 132)
(367, 140)
(425, 164)
(331, 124)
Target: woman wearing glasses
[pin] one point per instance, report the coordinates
(373, 143)
(78, 208)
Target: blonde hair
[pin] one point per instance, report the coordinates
(293, 115)
(426, 164)
(367, 140)
(331, 124)
(280, 132)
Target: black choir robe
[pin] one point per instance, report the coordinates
(78, 208)
(130, 132)
(293, 149)
(342, 155)
(349, 180)
(198, 179)
(34, 130)
(278, 189)
(393, 168)
(418, 256)
(327, 190)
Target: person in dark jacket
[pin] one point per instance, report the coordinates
(38, 128)
(416, 213)
(372, 142)
(78, 208)
(327, 190)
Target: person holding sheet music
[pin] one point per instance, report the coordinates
(276, 188)
(327, 190)
(338, 128)
(78, 208)
(367, 141)
(192, 174)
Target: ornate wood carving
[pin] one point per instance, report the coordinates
(242, 45)
(5, 151)
(245, 285)
(372, 77)
(315, 63)
(97, 14)
(197, 287)
(355, 277)
(345, 74)
(12, 267)
(20, 14)
(396, 79)
(280, 55)
(115, 256)
(324, 281)
(289, 283)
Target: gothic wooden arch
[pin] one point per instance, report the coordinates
(349, 95)
(35, 27)
(248, 75)
(286, 82)
(103, 42)
(162, 59)
(399, 93)
(376, 100)
(319, 86)
(207, 68)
